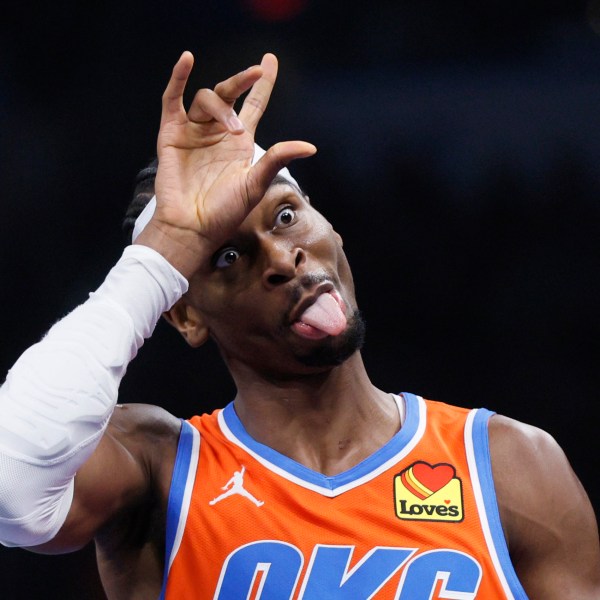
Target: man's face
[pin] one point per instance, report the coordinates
(258, 286)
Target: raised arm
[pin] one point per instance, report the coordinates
(547, 517)
(206, 184)
(58, 399)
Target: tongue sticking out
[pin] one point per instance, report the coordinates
(325, 315)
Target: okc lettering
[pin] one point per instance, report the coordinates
(270, 570)
(428, 509)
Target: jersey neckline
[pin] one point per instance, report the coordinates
(397, 447)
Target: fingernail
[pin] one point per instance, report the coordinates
(234, 123)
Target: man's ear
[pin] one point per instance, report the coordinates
(189, 322)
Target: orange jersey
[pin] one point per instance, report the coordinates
(417, 520)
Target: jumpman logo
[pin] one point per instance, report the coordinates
(236, 486)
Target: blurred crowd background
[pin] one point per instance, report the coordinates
(459, 157)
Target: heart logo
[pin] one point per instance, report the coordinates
(423, 479)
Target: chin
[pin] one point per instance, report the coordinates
(333, 351)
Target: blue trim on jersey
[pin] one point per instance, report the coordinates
(483, 461)
(176, 492)
(381, 456)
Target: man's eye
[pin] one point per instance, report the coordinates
(226, 258)
(286, 216)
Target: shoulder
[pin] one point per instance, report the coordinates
(512, 440)
(149, 433)
(547, 517)
(528, 465)
(144, 420)
(142, 439)
(146, 436)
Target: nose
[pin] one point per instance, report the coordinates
(281, 261)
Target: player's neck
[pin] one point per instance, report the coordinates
(328, 423)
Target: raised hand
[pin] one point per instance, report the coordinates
(205, 185)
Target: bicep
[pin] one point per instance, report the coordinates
(548, 519)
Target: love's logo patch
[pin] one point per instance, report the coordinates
(424, 492)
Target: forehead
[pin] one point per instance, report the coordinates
(282, 185)
(279, 192)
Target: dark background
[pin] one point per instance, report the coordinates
(459, 157)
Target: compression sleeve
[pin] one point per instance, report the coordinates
(58, 397)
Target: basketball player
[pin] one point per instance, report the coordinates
(312, 483)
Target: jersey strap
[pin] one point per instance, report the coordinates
(182, 484)
(480, 466)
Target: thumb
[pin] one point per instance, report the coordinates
(275, 158)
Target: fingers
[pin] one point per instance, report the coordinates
(208, 105)
(218, 103)
(278, 156)
(172, 100)
(256, 102)
(231, 89)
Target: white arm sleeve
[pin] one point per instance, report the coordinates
(60, 394)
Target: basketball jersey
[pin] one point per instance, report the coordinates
(417, 520)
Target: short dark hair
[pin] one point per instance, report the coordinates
(142, 194)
